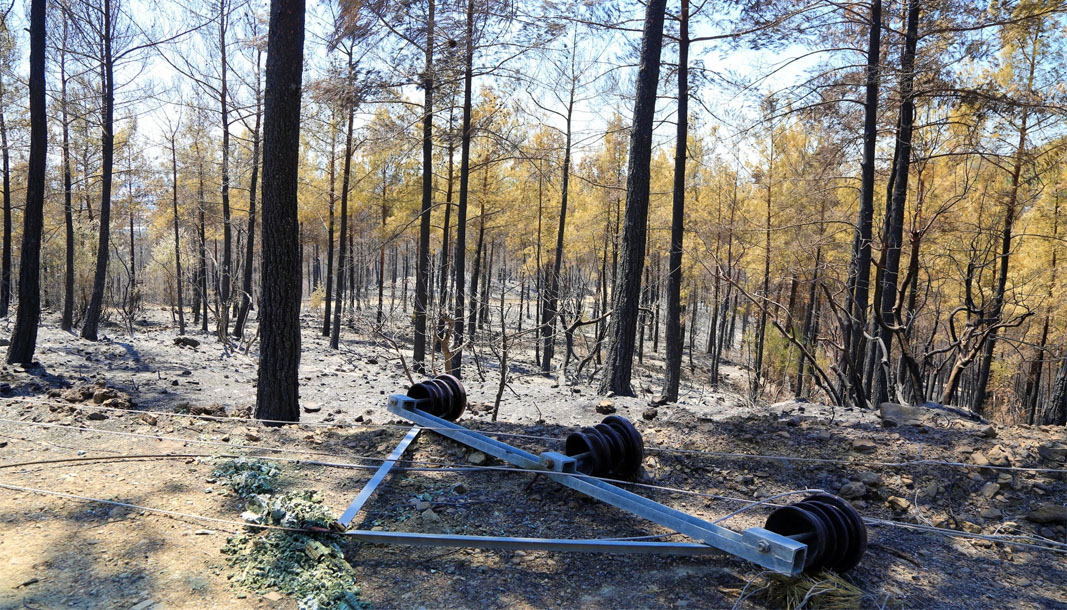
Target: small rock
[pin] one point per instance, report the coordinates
(649, 414)
(971, 528)
(101, 395)
(998, 456)
(204, 532)
(989, 490)
(478, 458)
(988, 431)
(864, 445)
(853, 490)
(931, 490)
(1048, 513)
(872, 479)
(747, 479)
(823, 435)
(991, 513)
(273, 596)
(782, 434)
(252, 435)
(979, 459)
(423, 505)
(429, 515)
(250, 517)
(893, 414)
(459, 489)
(149, 419)
(898, 504)
(605, 407)
(1053, 452)
(97, 415)
(312, 408)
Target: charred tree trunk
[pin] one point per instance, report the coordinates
(859, 277)
(227, 229)
(5, 269)
(327, 319)
(177, 241)
(250, 246)
(24, 336)
(67, 321)
(619, 363)
(277, 393)
(96, 301)
(343, 252)
(895, 213)
(551, 305)
(422, 268)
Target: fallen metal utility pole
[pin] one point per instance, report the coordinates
(820, 531)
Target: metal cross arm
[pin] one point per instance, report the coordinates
(760, 546)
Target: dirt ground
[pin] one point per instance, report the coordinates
(58, 552)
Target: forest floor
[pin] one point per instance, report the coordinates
(59, 552)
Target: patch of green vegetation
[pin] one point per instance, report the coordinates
(246, 476)
(308, 567)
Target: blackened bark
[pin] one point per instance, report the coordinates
(24, 336)
(460, 258)
(551, 305)
(422, 268)
(895, 214)
(619, 363)
(859, 277)
(1056, 411)
(202, 280)
(277, 393)
(250, 245)
(5, 268)
(67, 321)
(227, 230)
(342, 255)
(96, 301)
(177, 242)
(674, 264)
(327, 319)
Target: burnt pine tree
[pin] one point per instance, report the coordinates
(894, 217)
(859, 273)
(327, 318)
(253, 187)
(456, 359)
(343, 255)
(24, 337)
(107, 94)
(422, 269)
(67, 322)
(674, 275)
(8, 56)
(623, 328)
(277, 393)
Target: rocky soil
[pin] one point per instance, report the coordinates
(146, 395)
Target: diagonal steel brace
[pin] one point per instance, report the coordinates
(757, 545)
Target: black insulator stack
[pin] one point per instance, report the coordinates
(612, 447)
(445, 396)
(834, 532)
